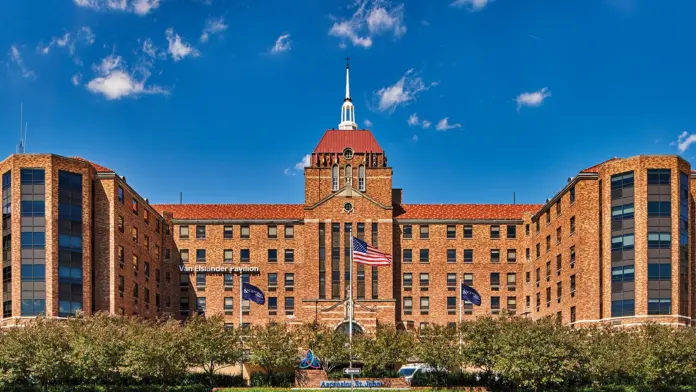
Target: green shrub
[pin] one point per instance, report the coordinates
(277, 380)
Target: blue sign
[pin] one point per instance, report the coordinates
(310, 361)
(347, 384)
(471, 295)
(253, 293)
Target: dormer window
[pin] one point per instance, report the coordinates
(361, 178)
(334, 178)
(348, 153)
(349, 175)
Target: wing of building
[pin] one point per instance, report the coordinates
(614, 245)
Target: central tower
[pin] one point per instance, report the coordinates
(347, 110)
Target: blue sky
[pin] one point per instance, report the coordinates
(222, 99)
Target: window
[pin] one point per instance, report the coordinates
(548, 217)
(424, 256)
(121, 256)
(200, 279)
(469, 279)
(200, 255)
(657, 208)
(227, 232)
(495, 231)
(548, 271)
(572, 285)
(495, 281)
(538, 251)
(244, 255)
(121, 224)
(659, 306)
(228, 280)
(559, 292)
(272, 306)
(146, 241)
(548, 297)
(146, 269)
(289, 281)
(289, 232)
(408, 280)
(538, 277)
(244, 231)
(527, 253)
(527, 277)
(655, 240)
(495, 305)
(121, 285)
(361, 178)
(424, 232)
(200, 305)
(146, 216)
(572, 225)
(512, 255)
(184, 255)
(33, 208)
(658, 176)
(424, 280)
(166, 229)
(538, 301)
(468, 255)
(512, 305)
(136, 265)
(511, 281)
(451, 305)
(134, 234)
(407, 232)
(625, 211)
(272, 231)
(451, 280)
(451, 231)
(548, 243)
(134, 206)
(407, 255)
(289, 256)
(468, 231)
(558, 235)
(183, 232)
(229, 305)
(120, 194)
(408, 305)
(451, 255)
(621, 308)
(511, 231)
(572, 257)
(200, 232)
(624, 273)
(183, 280)
(424, 305)
(273, 255)
(334, 178)
(624, 242)
(572, 195)
(272, 281)
(348, 175)
(495, 255)
(558, 265)
(662, 271)
(289, 306)
(227, 255)
(558, 207)
(526, 229)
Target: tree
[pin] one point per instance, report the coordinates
(385, 349)
(157, 351)
(438, 346)
(46, 344)
(603, 354)
(481, 341)
(211, 346)
(329, 345)
(273, 347)
(97, 347)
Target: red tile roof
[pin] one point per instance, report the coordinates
(463, 211)
(97, 167)
(232, 211)
(334, 141)
(595, 168)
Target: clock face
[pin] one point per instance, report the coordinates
(348, 207)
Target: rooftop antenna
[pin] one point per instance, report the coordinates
(181, 197)
(514, 199)
(26, 130)
(20, 147)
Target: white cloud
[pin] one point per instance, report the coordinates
(76, 79)
(282, 44)
(178, 48)
(684, 141)
(16, 58)
(533, 99)
(213, 26)
(444, 125)
(114, 82)
(368, 123)
(413, 120)
(84, 35)
(289, 172)
(425, 124)
(401, 93)
(474, 5)
(415, 138)
(372, 18)
(152, 51)
(305, 162)
(138, 7)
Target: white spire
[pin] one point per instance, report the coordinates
(347, 110)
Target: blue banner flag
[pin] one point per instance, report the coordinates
(253, 293)
(471, 295)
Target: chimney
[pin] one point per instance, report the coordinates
(397, 194)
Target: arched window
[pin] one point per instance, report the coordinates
(334, 178)
(361, 178)
(349, 175)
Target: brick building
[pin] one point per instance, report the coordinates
(614, 245)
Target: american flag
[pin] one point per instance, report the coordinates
(366, 254)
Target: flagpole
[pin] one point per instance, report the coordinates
(241, 321)
(461, 311)
(350, 313)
